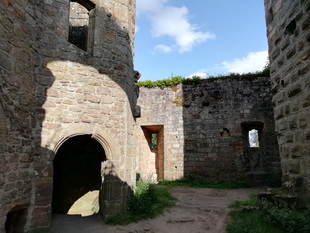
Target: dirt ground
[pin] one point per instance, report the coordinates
(196, 211)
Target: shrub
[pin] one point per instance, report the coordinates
(290, 220)
(178, 79)
(141, 201)
(147, 201)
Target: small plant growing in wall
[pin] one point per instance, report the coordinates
(178, 101)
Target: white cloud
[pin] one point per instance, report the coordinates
(254, 61)
(173, 22)
(163, 48)
(198, 74)
(149, 5)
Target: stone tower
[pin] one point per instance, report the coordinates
(288, 30)
(67, 86)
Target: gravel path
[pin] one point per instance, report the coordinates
(196, 211)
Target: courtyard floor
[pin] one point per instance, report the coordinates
(197, 210)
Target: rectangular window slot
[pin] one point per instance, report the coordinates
(154, 141)
(80, 24)
(253, 138)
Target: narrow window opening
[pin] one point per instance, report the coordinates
(291, 27)
(253, 138)
(79, 23)
(153, 158)
(225, 133)
(154, 140)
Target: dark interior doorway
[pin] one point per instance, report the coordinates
(77, 170)
(16, 220)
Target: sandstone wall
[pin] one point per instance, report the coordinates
(21, 112)
(206, 128)
(288, 30)
(52, 90)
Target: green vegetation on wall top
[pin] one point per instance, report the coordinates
(178, 79)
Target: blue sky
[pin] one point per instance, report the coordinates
(183, 37)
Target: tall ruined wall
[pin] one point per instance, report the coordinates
(206, 127)
(52, 90)
(288, 30)
(20, 107)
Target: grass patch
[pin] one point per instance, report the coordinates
(289, 220)
(194, 182)
(252, 202)
(266, 217)
(148, 201)
(250, 222)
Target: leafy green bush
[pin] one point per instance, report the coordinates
(290, 220)
(141, 201)
(178, 79)
(161, 83)
(148, 201)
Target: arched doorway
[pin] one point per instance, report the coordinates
(77, 171)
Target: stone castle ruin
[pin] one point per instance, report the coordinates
(205, 132)
(73, 121)
(66, 107)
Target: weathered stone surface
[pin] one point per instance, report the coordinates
(291, 127)
(50, 87)
(205, 129)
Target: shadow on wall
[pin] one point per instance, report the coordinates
(114, 192)
(28, 46)
(101, 46)
(217, 117)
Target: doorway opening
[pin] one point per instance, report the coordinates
(252, 134)
(16, 220)
(154, 135)
(77, 176)
(254, 151)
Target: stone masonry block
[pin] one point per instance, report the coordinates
(296, 151)
(293, 166)
(41, 217)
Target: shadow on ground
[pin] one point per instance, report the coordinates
(196, 211)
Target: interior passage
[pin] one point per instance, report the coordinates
(77, 170)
